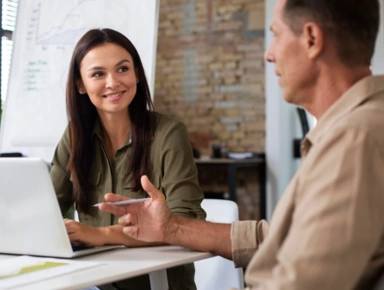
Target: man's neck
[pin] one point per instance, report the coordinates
(331, 86)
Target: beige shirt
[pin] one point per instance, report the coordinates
(327, 231)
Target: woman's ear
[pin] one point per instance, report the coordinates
(137, 75)
(80, 87)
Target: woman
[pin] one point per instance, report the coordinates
(113, 138)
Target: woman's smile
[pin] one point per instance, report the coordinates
(114, 96)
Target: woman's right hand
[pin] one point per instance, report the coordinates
(81, 234)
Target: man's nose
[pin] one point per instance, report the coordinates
(268, 56)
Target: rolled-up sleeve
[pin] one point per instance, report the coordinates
(246, 236)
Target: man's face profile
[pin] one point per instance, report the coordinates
(287, 52)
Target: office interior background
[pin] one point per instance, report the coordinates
(211, 75)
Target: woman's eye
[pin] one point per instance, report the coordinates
(97, 74)
(123, 69)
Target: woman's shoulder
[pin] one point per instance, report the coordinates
(165, 122)
(65, 136)
(170, 133)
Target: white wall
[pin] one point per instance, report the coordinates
(282, 124)
(378, 58)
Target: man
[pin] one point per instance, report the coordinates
(327, 231)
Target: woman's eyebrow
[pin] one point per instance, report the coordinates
(122, 61)
(101, 68)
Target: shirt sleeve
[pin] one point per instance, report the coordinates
(246, 236)
(59, 174)
(338, 219)
(179, 177)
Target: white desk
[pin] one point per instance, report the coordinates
(121, 264)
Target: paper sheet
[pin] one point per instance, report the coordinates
(25, 269)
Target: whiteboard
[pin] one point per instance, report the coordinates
(34, 116)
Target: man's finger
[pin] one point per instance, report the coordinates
(131, 231)
(125, 220)
(113, 209)
(150, 188)
(110, 197)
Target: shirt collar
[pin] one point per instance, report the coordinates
(97, 130)
(361, 91)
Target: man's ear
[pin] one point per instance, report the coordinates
(313, 37)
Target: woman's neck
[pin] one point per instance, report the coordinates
(115, 131)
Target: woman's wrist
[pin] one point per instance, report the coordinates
(104, 235)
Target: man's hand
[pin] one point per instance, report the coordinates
(148, 221)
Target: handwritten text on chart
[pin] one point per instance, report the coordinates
(36, 76)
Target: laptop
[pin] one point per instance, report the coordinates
(30, 218)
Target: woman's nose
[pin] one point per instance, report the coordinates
(112, 81)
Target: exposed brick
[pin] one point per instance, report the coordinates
(224, 135)
(231, 120)
(231, 25)
(231, 112)
(210, 75)
(224, 105)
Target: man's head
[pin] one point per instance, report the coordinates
(312, 38)
(351, 24)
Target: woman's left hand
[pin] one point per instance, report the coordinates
(84, 235)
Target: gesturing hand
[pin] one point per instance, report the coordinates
(147, 221)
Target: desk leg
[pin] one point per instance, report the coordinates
(159, 280)
(232, 179)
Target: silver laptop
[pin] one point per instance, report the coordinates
(30, 217)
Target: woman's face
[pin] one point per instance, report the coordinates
(108, 77)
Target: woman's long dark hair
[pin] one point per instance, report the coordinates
(82, 116)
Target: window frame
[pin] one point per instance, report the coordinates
(5, 33)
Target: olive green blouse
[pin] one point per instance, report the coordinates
(173, 172)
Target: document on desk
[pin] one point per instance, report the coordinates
(25, 269)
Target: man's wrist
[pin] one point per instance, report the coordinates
(170, 230)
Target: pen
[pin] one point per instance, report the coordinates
(121, 202)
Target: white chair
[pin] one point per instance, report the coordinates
(217, 272)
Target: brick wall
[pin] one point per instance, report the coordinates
(210, 71)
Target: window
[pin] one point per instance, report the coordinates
(8, 22)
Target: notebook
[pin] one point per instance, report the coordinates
(30, 218)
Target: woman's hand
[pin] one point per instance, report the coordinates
(81, 234)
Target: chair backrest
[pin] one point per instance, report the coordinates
(217, 272)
